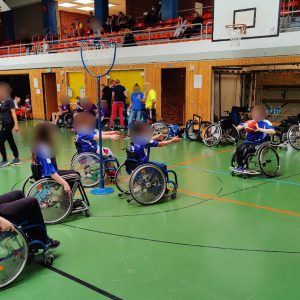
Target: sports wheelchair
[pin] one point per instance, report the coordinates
(147, 183)
(55, 204)
(196, 127)
(66, 120)
(87, 164)
(264, 160)
(166, 130)
(225, 129)
(15, 249)
(288, 133)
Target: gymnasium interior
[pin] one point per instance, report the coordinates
(215, 231)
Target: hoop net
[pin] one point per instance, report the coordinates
(98, 53)
(235, 32)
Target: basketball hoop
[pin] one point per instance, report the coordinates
(236, 31)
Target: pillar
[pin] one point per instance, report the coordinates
(101, 10)
(169, 9)
(50, 9)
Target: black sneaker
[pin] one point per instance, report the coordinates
(4, 163)
(16, 161)
(53, 243)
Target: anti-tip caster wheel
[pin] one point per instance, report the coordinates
(48, 260)
(87, 213)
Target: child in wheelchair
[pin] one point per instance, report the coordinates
(258, 132)
(63, 109)
(142, 138)
(87, 139)
(44, 162)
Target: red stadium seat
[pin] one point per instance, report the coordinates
(207, 21)
(208, 15)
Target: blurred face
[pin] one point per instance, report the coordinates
(84, 122)
(144, 134)
(4, 93)
(258, 114)
(65, 100)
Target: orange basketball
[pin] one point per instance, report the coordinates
(2, 268)
(251, 126)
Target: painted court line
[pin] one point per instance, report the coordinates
(243, 203)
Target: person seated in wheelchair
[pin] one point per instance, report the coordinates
(44, 161)
(63, 109)
(258, 131)
(141, 135)
(87, 137)
(16, 210)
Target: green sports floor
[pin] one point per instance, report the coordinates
(223, 237)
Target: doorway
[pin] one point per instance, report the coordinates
(173, 82)
(50, 94)
(20, 85)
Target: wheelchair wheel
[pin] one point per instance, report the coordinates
(106, 124)
(147, 184)
(87, 165)
(193, 131)
(212, 135)
(161, 128)
(203, 126)
(68, 120)
(122, 179)
(294, 137)
(268, 161)
(231, 135)
(54, 202)
(13, 256)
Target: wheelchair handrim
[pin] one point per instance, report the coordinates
(212, 137)
(124, 188)
(294, 133)
(265, 161)
(23, 263)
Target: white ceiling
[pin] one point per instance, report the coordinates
(116, 6)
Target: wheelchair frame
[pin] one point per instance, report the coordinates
(28, 247)
(284, 136)
(258, 164)
(74, 206)
(135, 168)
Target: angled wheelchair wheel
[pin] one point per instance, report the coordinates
(106, 124)
(193, 131)
(161, 128)
(212, 135)
(293, 137)
(68, 120)
(122, 179)
(87, 165)
(268, 161)
(54, 202)
(203, 126)
(147, 184)
(231, 135)
(13, 256)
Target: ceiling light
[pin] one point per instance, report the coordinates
(111, 5)
(66, 4)
(84, 1)
(86, 8)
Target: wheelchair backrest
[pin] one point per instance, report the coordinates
(36, 170)
(78, 147)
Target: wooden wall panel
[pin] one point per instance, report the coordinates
(197, 100)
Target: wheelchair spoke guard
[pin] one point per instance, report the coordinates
(55, 203)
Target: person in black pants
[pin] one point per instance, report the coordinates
(16, 209)
(9, 122)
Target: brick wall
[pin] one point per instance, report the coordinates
(173, 95)
(67, 18)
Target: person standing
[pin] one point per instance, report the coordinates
(151, 99)
(119, 96)
(9, 122)
(136, 105)
(107, 95)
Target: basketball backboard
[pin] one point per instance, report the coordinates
(262, 18)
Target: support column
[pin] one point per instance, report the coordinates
(101, 10)
(50, 16)
(169, 9)
(8, 25)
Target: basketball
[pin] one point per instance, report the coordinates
(251, 126)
